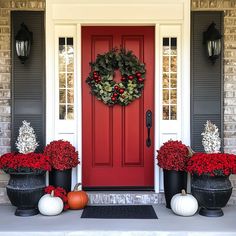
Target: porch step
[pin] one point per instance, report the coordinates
(125, 198)
(3, 193)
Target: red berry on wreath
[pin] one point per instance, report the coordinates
(113, 99)
(140, 79)
(123, 79)
(95, 73)
(116, 87)
(121, 91)
(138, 74)
(115, 94)
(130, 77)
(95, 76)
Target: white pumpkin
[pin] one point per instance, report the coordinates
(49, 205)
(184, 204)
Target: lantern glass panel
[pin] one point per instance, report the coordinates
(22, 48)
(214, 47)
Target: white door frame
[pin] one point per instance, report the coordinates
(73, 14)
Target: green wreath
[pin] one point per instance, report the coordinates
(101, 81)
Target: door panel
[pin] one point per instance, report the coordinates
(114, 138)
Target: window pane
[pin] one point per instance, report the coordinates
(70, 112)
(173, 113)
(70, 80)
(165, 96)
(173, 64)
(173, 83)
(173, 96)
(165, 113)
(166, 41)
(62, 80)
(62, 112)
(70, 96)
(165, 80)
(166, 50)
(70, 41)
(173, 46)
(62, 98)
(173, 42)
(165, 64)
(62, 41)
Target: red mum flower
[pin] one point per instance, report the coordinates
(212, 164)
(62, 154)
(173, 155)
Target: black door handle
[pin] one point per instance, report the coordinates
(149, 126)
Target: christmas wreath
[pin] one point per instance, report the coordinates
(105, 88)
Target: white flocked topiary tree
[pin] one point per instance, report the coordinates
(26, 141)
(211, 140)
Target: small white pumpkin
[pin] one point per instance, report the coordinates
(49, 205)
(184, 204)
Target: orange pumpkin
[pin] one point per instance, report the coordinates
(77, 199)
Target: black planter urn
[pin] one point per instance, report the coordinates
(60, 178)
(212, 193)
(24, 191)
(174, 182)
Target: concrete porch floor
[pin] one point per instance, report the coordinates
(69, 223)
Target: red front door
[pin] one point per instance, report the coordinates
(114, 138)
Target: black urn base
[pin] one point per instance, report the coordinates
(24, 191)
(212, 193)
(26, 212)
(211, 212)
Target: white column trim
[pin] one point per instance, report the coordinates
(79, 99)
(157, 104)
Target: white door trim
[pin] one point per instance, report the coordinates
(68, 13)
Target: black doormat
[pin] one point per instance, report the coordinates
(120, 212)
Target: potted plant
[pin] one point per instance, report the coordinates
(63, 158)
(27, 172)
(172, 157)
(210, 183)
(210, 172)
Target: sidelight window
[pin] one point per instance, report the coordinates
(169, 78)
(66, 78)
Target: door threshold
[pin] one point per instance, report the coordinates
(134, 197)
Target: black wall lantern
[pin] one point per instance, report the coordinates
(212, 40)
(24, 40)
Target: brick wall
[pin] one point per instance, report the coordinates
(6, 6)
(229, 8)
